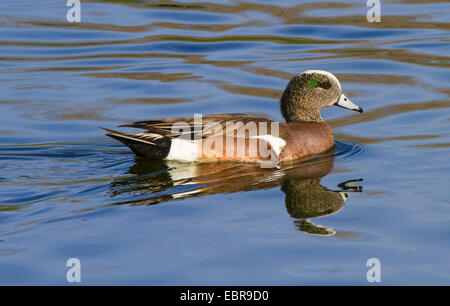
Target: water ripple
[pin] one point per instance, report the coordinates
(348, 151)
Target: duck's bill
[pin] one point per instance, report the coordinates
(346, 103)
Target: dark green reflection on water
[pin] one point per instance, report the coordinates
(155, 182)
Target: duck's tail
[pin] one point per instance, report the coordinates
(148, 145)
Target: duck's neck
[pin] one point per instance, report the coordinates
(302, 116)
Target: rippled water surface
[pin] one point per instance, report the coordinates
(67, 190)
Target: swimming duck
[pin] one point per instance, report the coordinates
(243, 137)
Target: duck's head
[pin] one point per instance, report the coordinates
(310, 92)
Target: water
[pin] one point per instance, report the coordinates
(66, 190)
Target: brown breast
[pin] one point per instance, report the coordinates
(304, 139)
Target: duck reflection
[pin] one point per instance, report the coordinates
(156, 182)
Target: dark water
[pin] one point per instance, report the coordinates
(66, 190)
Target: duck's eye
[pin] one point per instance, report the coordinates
(345, 99)
(325, 85)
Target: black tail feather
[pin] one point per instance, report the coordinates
(154, 149)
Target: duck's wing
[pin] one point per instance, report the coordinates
(196, 127)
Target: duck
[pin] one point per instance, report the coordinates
(245, 137)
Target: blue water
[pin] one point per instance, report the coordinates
(69, 191)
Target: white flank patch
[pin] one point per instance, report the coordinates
(330, 75)
(184, 150)
(276, 143)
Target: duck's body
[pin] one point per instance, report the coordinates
(295, 140)
(242, 137)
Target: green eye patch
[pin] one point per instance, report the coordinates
(316, 83)
(312, 84)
